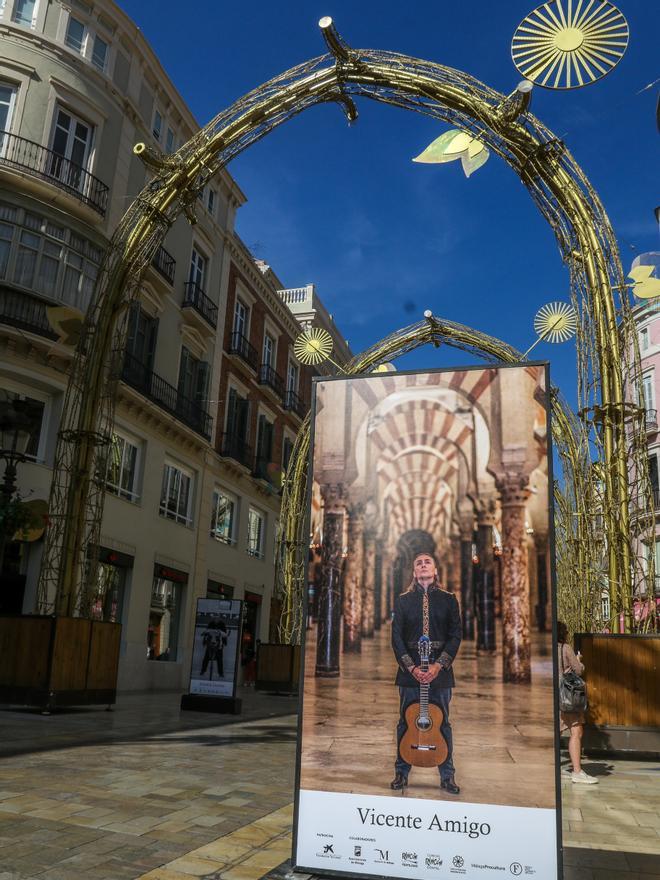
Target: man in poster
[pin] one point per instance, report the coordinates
(214, 640)
(425, 609)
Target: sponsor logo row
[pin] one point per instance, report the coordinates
(362, 855)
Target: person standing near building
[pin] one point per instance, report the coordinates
(569, 661)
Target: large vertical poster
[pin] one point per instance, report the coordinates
(428, 740)
(215, 647)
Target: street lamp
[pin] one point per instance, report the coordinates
(14, 438)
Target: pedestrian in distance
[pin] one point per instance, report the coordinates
(573, 722)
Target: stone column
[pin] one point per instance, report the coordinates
(388, 574)
(485, 581)
(368, 585)
(353, 584)
(378, 589)
(466, 527)
(514, 493)
(455, 556)
(542, 591)
(329, 600)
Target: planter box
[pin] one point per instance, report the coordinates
(623, 694)
(278, 668)
(58, 661)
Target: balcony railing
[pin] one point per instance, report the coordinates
(18, 152)
(240, 345)
(194, 297)
(651, 419)
(23, 311)
(268, 376)
(165, 264)
(233, 446)
(294, 403)
(153, 386)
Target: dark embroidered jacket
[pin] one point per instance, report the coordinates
(444, 632)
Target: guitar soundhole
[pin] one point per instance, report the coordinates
(424, 724)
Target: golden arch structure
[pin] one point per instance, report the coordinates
(607, 357)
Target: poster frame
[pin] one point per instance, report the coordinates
(231, 696)
(545, 364)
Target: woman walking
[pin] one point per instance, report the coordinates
(572, 721)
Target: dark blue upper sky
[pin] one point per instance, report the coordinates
(383, 238)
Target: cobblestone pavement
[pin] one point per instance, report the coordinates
(145, 793)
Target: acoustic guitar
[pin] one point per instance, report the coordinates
(423, 745)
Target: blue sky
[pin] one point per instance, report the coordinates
(382, 238)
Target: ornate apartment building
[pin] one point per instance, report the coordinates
(211, 396)
(647, 319)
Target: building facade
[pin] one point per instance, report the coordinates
(647, 320)
(211, 396)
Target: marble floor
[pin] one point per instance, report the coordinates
(151, 793)
(503, 734)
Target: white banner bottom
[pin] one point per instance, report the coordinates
(415, 838)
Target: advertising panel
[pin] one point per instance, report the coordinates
(215, 647)
(428, 741)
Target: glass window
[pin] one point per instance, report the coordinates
(169, 141)
(644, 339)
(648, 392)
(44, 263)
(122, 468)
(269, 350)
(287, 449)
(241, 313)
(109, 598)
(216, 590)
(6, 235)
(197, 268)
(158, 125)
(256, 533)
(24, 11)
(33, 411)
(26, 259)
(164, 615)
(292, 377)
(223, 513)
(176, 495)
(99, 53)
(7, 94)
(210, 203)
(75, 35)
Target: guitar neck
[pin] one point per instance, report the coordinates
(424, 689)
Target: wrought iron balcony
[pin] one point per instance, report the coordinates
(165, 264)
(153, 386)
(268, 376)
(233, 446)
(240, 345)
(25, 312)
(195, 298)
(18, 152)
(651, 420)
(294, 403)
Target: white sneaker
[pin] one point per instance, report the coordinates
(583, 778)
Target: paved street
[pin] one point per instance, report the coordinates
(144, 793)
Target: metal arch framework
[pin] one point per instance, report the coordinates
(606, 346)
(577, 541)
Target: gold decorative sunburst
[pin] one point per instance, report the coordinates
(567, 44)
(313, 346)
(555, 322)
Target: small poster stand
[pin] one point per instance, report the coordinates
(214, 665)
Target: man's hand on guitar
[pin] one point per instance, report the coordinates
(427, 677)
